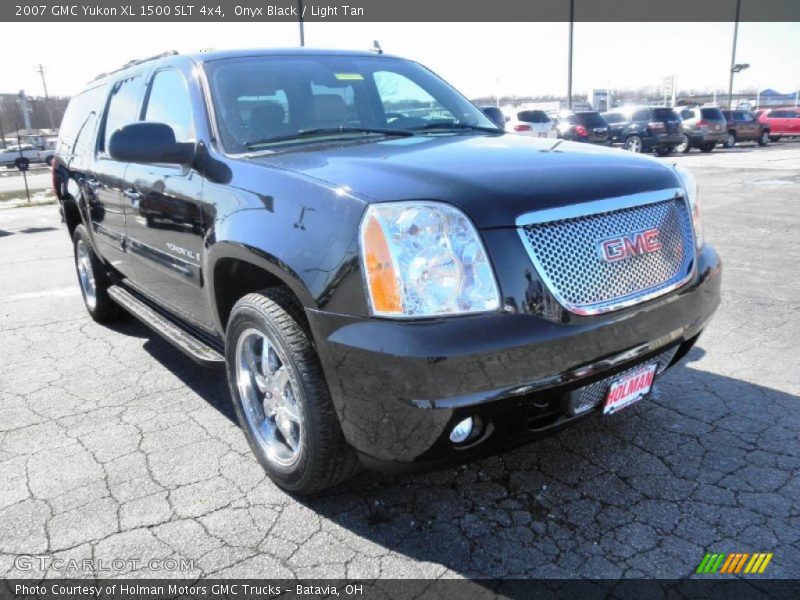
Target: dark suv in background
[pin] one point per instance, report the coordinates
(645, 129)
(584, 127)
(743, 126)
(703, 128)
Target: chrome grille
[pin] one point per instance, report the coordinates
(566, 252)
(592, 395)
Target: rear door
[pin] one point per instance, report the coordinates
(616, 122)
(105, 184)
(166, 221)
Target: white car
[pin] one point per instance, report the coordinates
(9, 155)
(534, 123)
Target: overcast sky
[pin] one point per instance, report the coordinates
(526, 58)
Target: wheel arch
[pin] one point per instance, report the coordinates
(235, 270)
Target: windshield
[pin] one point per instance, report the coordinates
(533, 116)
(593, 120)
(268, 101)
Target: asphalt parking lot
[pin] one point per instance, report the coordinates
(115, 446)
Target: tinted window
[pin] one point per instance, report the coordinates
(776, 114)
(641, 115)
(664, 114)
(614, 117)
(712, 114)
(169, 103)
(687, 114)
(593, 120)
(123, 107)
(533, 116)
(75, 124)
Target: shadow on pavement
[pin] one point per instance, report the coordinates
(640, 494)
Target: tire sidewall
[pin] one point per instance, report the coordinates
(632, 139)
(250, 317)
(80, 235)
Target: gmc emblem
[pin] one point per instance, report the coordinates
(632, 244)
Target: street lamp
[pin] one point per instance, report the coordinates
(737, 68)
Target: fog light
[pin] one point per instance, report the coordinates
(462, 431)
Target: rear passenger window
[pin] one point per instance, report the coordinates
(123, 108)
(169, 103)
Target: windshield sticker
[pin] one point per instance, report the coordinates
(349, 76)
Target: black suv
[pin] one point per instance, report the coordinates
(645, 129)
(585, 126)
(387, 277)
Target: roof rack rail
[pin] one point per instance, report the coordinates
(137, 61)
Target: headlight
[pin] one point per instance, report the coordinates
(693, 196)
(424, 259)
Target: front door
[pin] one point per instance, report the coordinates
(166, 222)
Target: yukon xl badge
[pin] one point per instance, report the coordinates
(629, 245)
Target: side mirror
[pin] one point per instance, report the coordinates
(496, 116)
(147, 142)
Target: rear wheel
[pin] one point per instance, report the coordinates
(280, 395)
(633, 143)
(707, 147)
(730, 141)
(93, 279)
(684, 146)
(764, 138)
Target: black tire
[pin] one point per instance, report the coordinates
(707, 147)
(323, 457)
(22, 163)
(774, 138)
(730, 141)
(764, 138)
(98, 303)
(634, 143)
(685, 145)
(664, 150)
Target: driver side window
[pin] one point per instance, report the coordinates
(401, 97)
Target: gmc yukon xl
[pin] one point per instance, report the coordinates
(387, 277)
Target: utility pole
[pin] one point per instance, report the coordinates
(46, 99)
(569, 67)
(300, 15)
(733, 54)
(2, 135)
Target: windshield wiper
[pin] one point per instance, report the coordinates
(328, 131)
(450, 126)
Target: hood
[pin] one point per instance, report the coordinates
(492, 178)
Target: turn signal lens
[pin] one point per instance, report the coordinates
(383, 282)
(424, 259)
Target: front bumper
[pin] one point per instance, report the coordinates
(399, 387)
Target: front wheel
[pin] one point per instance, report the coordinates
(280, 395)
(684, 146)
(730, 141)
(633, 144)
(93, 279)
(763, 139)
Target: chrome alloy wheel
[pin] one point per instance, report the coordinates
(269, 399)
(634, 144)
(86, 274)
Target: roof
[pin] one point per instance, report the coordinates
(305, 51)
(213, 55)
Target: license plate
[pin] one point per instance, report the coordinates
(629, 388)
